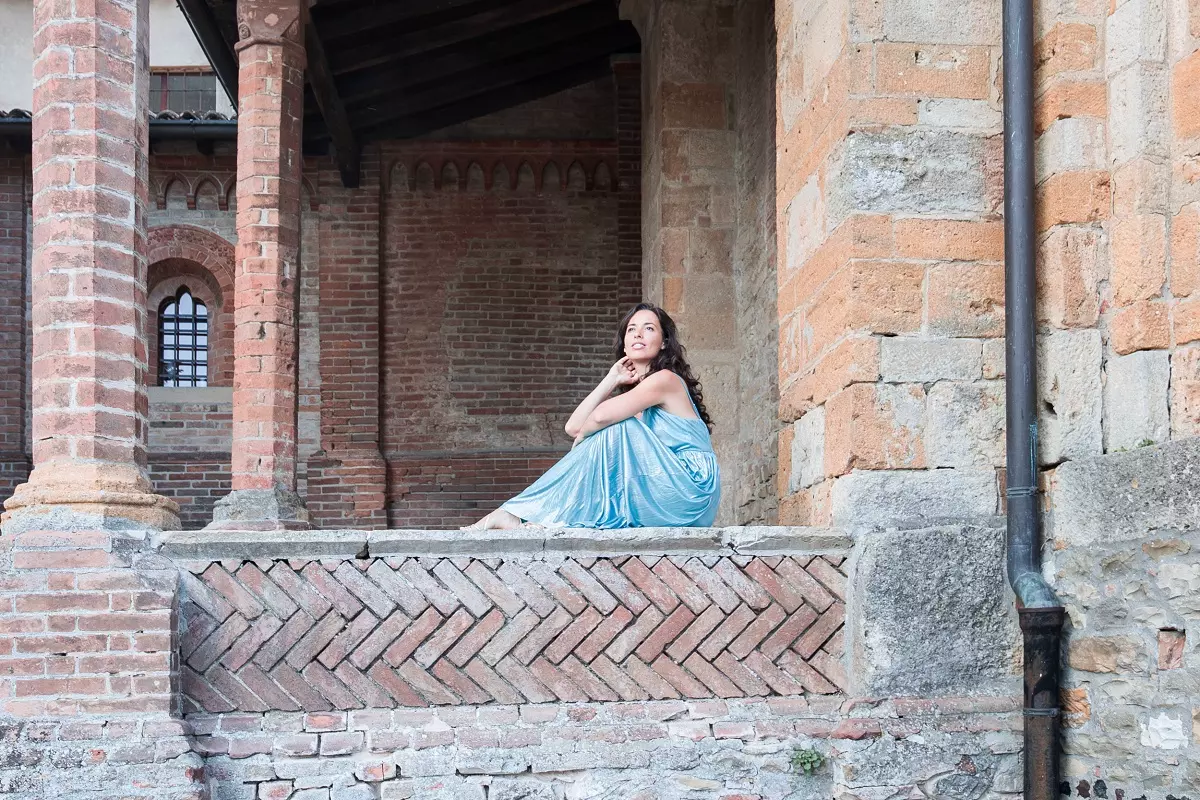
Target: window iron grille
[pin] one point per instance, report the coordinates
(183, 91)
(182, 341)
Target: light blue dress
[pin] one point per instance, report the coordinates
(657, 471)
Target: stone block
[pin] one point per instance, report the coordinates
(941, 22)
(1136, 32)
(1137, 113)
(1150, 491)
(808, 450)
(201, 545)
(993, 359)
(966, 299)
(520, 789)
(1066, 47)
(1135, 400)
(1069, 272)
(965, 425)
(932, 614)
(1185, 96)
(1139, 256)
(933, 70)
(1185, 250)
(1145, 325)
(949, 112)
(1185, 392)
(875, 426)
(806, 230)
(1138, 187)
(1071, 144)
(907, 171)
(911, 360)
(906, 498)
(1069, 395)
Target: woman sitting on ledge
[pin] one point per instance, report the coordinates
(642, 457)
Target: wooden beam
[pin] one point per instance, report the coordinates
(410, 42)
(489, 102)
(463, 57)
(352, 18)
(320, 80)
(203, 22)
(492, 77)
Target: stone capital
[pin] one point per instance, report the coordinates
(278, 22)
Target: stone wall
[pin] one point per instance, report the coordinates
(1119, 218)
(890, 247)
(754, 254)
(689, 198)
(1125, 562)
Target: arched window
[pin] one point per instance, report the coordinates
(182, 341)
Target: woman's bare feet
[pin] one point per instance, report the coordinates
(498, 520)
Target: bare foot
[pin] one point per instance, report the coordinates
(498, 520)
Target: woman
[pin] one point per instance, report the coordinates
(642, 455)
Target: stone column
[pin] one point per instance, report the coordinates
(689, 185)
(270, 109)
(90, 145)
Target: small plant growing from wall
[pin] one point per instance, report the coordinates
(806, 760)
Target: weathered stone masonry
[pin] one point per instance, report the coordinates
(532, 664)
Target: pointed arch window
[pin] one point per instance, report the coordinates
(182, 341)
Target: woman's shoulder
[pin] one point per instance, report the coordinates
(665, 379)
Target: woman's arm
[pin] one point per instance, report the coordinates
(621, 373)
(652, 391)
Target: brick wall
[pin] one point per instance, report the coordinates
(501, 293)
(437, 489)
(14, 201)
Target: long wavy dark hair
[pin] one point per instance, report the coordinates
(671, 357)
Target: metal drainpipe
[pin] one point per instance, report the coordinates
(1041, 615)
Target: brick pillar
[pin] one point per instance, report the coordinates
(271, 106)
(627, 75)
(90, 144)
(348, 478)
(689, 185)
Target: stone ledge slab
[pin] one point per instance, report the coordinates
(759, 540)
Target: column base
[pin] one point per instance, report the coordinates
(274, 509)
(88, 497)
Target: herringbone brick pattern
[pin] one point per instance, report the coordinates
(344, 634)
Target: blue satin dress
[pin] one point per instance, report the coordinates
(657, 471)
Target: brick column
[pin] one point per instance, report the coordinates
(271, 105)
(627, 75)
(90, 137)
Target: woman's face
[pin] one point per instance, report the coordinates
(643, 336)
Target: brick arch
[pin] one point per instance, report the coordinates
(204, 261)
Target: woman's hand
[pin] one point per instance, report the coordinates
(624, 372)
